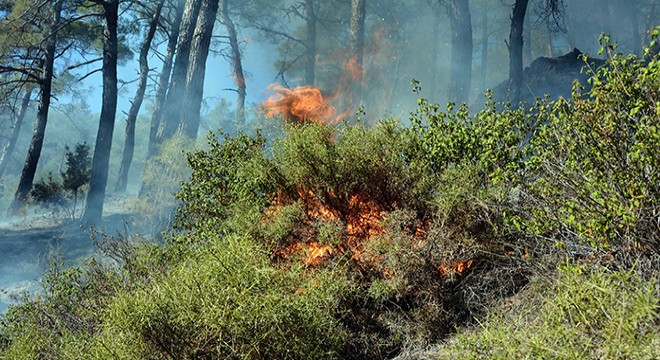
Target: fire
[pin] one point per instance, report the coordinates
(303, 103)
(361, 219)
(455, 267)
(354, 71)
(316, 253)
(307, 103)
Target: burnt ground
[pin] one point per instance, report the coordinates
(28, 244)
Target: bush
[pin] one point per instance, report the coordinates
(348, 242)
(161, 179)
(229, 303)
(64, 194)
(592, 168)
(586, 314)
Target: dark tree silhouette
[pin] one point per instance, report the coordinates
(129, 142)
(101, 160)
(45, 87)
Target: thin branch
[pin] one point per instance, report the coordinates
(283, 34)
(89, 74)
(83, 63)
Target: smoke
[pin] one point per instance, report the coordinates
(404, 41)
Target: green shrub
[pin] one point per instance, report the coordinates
(586, 314)
(161, 179)
(232, 175)
(592, 168)
(64, 195)
(59, 323)
(226, 302)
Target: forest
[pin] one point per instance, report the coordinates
(340, 179)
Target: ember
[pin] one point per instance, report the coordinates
(455, 267)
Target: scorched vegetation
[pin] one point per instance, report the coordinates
(346, 242)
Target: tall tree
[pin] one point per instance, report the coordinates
(45, 81)
(17, 123)
(515, 51)
(176, 93)
(461, 50)
(484, 46)
(236, 62)
(310, 43)
(357, 41)
(101, 159)
(157, 126)
(129, 141)
(194, 89)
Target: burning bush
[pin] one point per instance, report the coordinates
(346, 242)
(368, 201)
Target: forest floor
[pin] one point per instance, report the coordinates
(30, 242)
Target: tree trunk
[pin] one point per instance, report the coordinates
(515, 51)
(46, 81)
(129, 142)
(637, 39)
(607, 16)
(176, 94)
(157, 122)
(101, 160)
(16, 129)
(357, 44)
(311, 51)
(571, 30)
(527, 42)
(461, 50)
(484, 47)
(236, 62)
(192, 102)
(435, 40)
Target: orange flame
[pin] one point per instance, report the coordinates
(303, 103)
(354, 71)
(455, 267)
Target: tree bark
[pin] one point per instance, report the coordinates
(356, 34)
(100, 162)
(176, 94)
(515, 51)
(527, 42)
(192, 102)
(461, 50)
(157, 122)
(311, 51)
(46, 81)
(16, 129)
(236, 62)
(435, 40)
(129, 141)
(484, 47)
(637, 39)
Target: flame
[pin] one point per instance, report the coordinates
(302, 104)
(316, 253)
(455, 267)
(353, 70)
(307, 103)
(239, 81)
(361, 219)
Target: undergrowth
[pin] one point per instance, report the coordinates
(351, 242)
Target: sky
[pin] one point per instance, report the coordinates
(258, 60)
